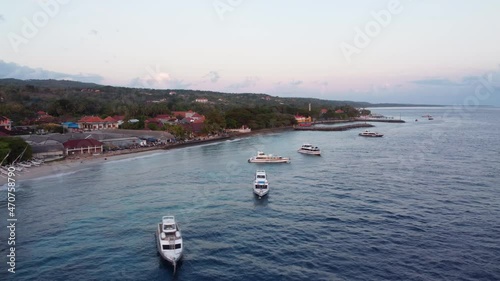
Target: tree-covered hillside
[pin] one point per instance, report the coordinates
(69, 100)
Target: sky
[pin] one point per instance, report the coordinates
(397, 51)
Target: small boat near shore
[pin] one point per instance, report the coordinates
(370, 134)
(169, 240)
(309, 149)
(261, 157)
(260, 184)
(24, 164)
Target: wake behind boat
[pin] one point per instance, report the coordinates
(370, 134)
(260, 184)
(309, 149)
(268, 158)
(169, 240)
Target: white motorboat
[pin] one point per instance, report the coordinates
(36, 162)
(4, 170)
(260, 184)
(370, 134)
(169, 240)
(25, 164)
(309, 149)
(261, 157)
(18, 168)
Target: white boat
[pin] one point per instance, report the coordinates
(169, 240)
(36, 162)
(260, 184)
(309, 149)
(25, 164)
(18, 168)
(4, 170)
(261, 157)
(370, 134)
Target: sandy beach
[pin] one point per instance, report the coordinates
(74, 163)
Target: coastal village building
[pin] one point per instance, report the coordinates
(119, 119)
(49, 149)
(83, 146)
(96, 123)
(191, 121)
(243, 129)
(302, 119)
(5, 123)
(43, 117)
(201, 100)
(71, 127)
(190, 116)
(160, 120)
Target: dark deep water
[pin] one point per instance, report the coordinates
(421, 203)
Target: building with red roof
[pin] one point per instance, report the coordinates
(82, 146)
(97, 123)
(6, 123)
(190, 116)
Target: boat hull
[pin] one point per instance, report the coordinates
(173, 256)
(371, 136)
(309, 152)
(268, 160)
(260, 191)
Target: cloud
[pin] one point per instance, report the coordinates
(2, 19)
(246, 83)
(213, 76)
(14, 70)
(436, 82)
(94, 32)
(156, 79)
(295, 82)
(321, 83)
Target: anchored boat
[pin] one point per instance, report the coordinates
(260, 184)
(370, 134)
(169, 240)
(261, 157)
(309, 149)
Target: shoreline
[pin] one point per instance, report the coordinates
(73, 164)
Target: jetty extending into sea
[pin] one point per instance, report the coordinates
(386, 120)
(333, 128)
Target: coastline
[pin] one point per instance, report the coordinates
(75, 163)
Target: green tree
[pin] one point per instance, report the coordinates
(16, 147)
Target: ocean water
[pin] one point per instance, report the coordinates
(420, 203)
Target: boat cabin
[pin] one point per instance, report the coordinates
(168, 224)
(260, 175)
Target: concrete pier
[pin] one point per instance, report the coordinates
(380, 120)
(333, 128)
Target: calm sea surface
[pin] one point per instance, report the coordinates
(421, 203)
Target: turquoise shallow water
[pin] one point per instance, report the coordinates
(421, 203)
